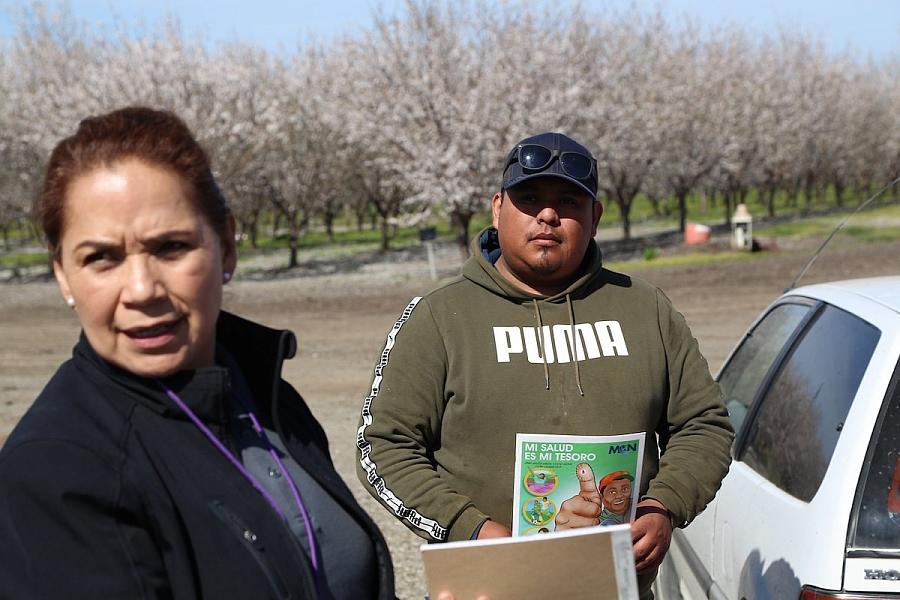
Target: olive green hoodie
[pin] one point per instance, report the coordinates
(477, 360)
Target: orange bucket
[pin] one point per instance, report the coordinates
(696, 233)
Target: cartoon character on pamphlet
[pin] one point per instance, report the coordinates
(606, 503)
(541, 481)
(539, 511)
(615, 491)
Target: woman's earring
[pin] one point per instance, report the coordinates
(226, 276)
(70, 302)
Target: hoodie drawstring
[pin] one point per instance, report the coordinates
(574, 347)
(574, 343)
(537, 315)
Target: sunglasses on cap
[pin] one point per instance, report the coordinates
(534, 157)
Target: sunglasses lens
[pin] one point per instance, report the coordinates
(575, 165)
(534, 157)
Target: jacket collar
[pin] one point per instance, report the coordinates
(258, 351)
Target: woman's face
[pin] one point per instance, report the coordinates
(144, 267)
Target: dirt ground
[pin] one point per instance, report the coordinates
(341, 322)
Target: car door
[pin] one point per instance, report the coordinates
(776, 524)
(741, 378)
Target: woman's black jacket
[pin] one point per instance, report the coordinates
(108, 491)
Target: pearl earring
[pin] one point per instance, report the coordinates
(70, 302)
(226, 276)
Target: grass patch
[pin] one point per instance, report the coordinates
(22, 260)
(876, 225)
(363, 240)
(651, 253)
(693, 259)
(870, 234)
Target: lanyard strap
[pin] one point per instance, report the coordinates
(249, 476)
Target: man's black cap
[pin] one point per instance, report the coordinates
(514, 174)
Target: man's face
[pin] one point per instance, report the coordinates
(544, 226)
(616, 496)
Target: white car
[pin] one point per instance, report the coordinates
(810, 508)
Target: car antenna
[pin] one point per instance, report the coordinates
(838, 228)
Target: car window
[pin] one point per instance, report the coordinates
(800, 416)
(878, 516)
(745, 372)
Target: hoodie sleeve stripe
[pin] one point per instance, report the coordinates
(430, 526)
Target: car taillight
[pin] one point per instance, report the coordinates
(811, 593)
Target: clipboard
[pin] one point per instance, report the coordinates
(578, 564)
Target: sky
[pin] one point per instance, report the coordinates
(868, 27)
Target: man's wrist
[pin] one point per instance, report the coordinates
(654, 506)
(646, 510)
(466, 524)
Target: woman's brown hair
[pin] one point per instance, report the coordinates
(157, 137)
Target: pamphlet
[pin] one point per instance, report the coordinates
(551, 469)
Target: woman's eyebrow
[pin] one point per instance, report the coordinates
(95, 245)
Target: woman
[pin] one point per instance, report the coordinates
(167, 458)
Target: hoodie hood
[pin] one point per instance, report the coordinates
(485, 250)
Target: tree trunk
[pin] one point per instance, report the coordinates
(808, 189)
(625, 200)
(726, 204)
(293, 240)
(793, 193)
(839, 193)
(328, 216)
(254, 230)
(304, 225)
(770, 201)
(682, 209)
(385, 233)
(462, 220)
(626, 223)
(361, 213)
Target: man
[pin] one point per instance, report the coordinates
(615, 491)
(536, 336)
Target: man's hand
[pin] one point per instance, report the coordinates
(583, 509)
(493, 529)
(651, 533)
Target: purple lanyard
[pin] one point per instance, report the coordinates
(248, 476)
